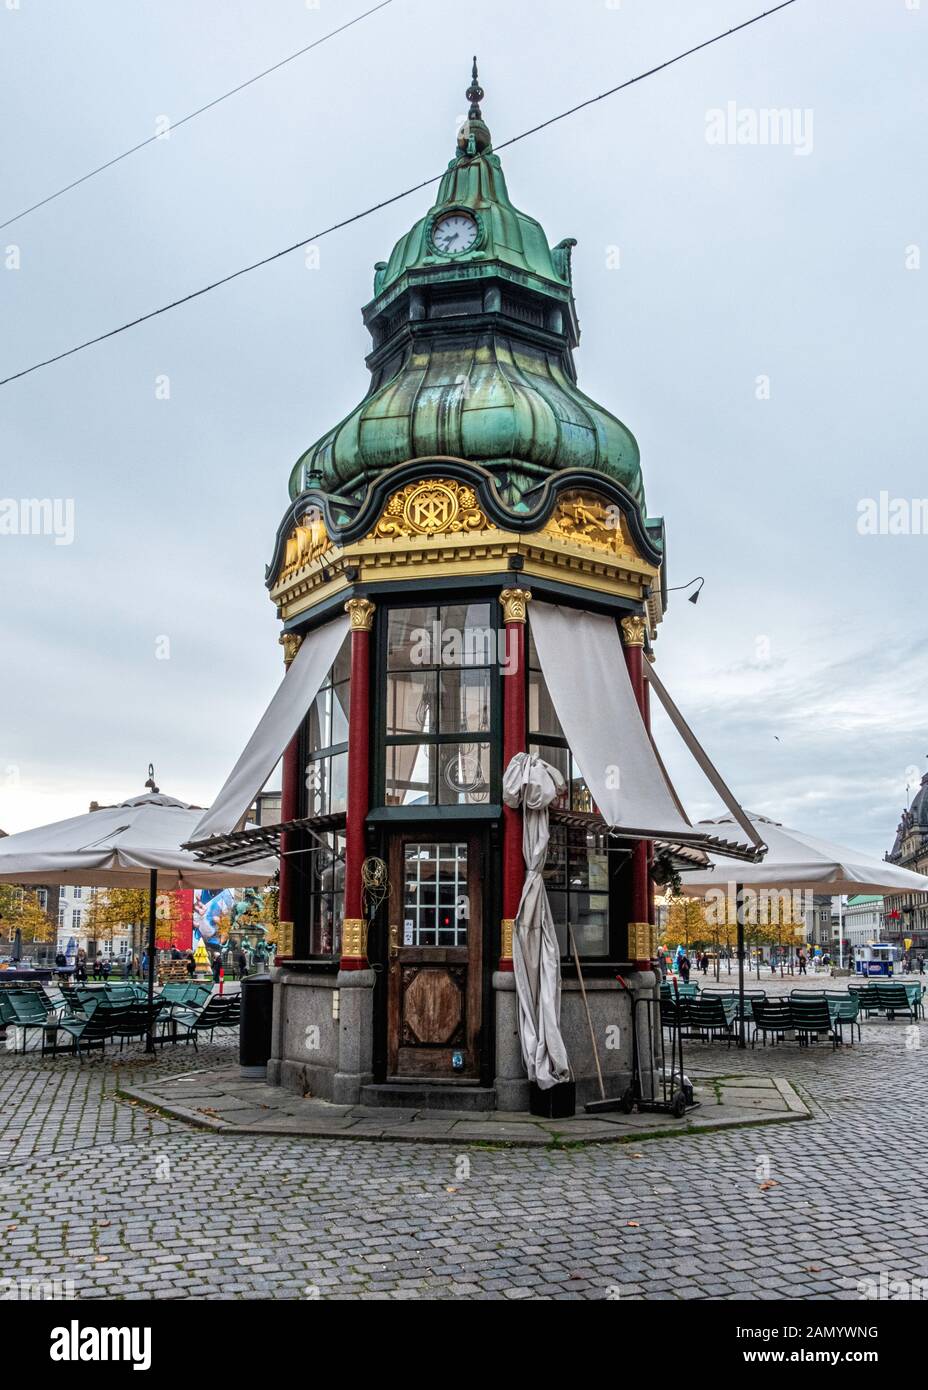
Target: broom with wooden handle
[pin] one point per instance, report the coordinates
(604, 1103)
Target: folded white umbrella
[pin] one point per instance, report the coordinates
(536, 959)
(136, 844)
(795, 860)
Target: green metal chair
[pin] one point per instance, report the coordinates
(811, 1018)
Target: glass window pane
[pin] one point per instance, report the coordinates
(409, 775)
(317, 783)
(541, 716)
(341, 671)
(413, 637)
(411, 702)
(589, 917)
(467, 639)
(588, 861)
(463, 773)
(580, 798)
(435, 902)
(317, 732)
(338, 783)
(465, 701)
(341, 703)
(554, 872)
(327, 883)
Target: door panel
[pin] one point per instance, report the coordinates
(435, 947)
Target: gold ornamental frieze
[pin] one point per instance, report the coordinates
(590, 520)
(438, 506)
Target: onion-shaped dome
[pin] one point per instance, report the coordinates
(474, 327)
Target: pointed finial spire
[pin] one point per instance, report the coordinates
(474, 137)
(474, 94)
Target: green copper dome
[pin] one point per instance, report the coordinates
(474, 327)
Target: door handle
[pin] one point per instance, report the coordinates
(394, 942)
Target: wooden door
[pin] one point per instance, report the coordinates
(434, 943)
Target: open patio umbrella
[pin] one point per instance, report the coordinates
(132, 845)
(795, 860)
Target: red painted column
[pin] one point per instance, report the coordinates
(289, 810)
(514, 602)
(642, 910)
(354, 923)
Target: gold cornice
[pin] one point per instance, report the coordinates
(515, 604)
(633, 630)
(361, 614)
(584, 543)
(489, 552)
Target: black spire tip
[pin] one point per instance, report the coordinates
(474, 94)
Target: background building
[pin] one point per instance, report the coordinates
(863, 920)
(906, 914)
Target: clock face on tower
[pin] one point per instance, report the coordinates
(454, 233)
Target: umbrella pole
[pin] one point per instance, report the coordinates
(739, 920)
(152, 899)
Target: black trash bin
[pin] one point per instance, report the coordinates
(254, 1040)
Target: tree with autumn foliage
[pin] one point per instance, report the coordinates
(124, 912)
(20, 911)
(684, 923)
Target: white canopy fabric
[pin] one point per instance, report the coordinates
(536, 959)
(118, 846)
(584, 668)
(795, 860)
(278, 724)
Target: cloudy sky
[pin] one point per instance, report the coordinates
(763, 335)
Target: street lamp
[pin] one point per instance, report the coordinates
(693, 598)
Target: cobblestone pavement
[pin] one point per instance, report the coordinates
(122, 1202)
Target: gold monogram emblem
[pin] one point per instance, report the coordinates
(438, 506)
(432, 507)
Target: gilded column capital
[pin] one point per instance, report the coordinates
(361, 613)
(291, 643)
(633, 630)
(515, 604)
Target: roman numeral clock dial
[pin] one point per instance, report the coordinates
(454, 233)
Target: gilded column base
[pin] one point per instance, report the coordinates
(642, 941)
(354, 944)
(507, 927)
(284, 950)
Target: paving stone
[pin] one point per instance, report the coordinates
(375, 1219)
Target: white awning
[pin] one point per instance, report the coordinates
(797, 861)
(279, 723)
(584, 668)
